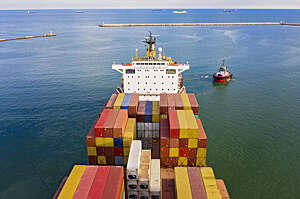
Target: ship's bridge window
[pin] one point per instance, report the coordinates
(138, 63)
(171, 71)
(146, 63)
(142, 63)
(154, 63)
(130, 71)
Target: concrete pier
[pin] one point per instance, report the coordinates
(28, 37)
(199, 24)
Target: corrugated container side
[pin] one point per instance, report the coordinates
(126, 100)
(120, 124)
(98, 129)
(133, 105)
(90, 138)
(174, 124)
(141, 111)
(113, 187)
(155, 178)
(183, 190)
(110, 122)
(222, 189)
(194, 103)
(134, 160)
(196, 183)
(97, 188)
(111, 101)
(178, 102)
(167, 184)
(129, 133)
(92, 160)
(183, 127)
(186, 102)
(171, 101)
(119, 101)
(62, 183)
(144, 172)
(148, 111)
(192, 126)
(155, 111)
(72, 182)
(202, 140)
(85, 183)
(163, 103)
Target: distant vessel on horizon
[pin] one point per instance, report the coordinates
(81, 11)
(179, 12)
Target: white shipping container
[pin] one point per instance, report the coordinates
(134, 160)
(132, 185)
(147, 126)
(133, 194)
(155, 178)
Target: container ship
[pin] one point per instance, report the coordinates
(148, 141)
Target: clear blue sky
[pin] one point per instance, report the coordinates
(99, 4)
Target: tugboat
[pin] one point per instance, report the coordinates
(223, 74)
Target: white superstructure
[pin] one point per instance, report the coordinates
(151, 75)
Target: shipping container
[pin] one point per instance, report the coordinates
(110, 103)
(119, 101)
(155, 179)
(167, 183)
(126, 101)
(163, 103)
(141, 111)
(114, 184)
(192, 127)
(130, 132)
(133, 105)
(186, 102)
(171, 101)
(202, 141)
(194, 103)
(174, 124)
(196, 183)
(120, 124)
(222, 188)
(148, 112)
(144, 172)
(178, 102)
(134, 160)
(183, 126)
(62, 183)
(155, 111)
(183, 190)
(99, 127)
(90, 138)
(110, 122)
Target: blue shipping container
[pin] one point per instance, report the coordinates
(126, 101)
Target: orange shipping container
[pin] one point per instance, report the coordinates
(110, 122)
(222, 189)
(202, 139)
(171, 101)
(120, 123)
(111, 101)
(133, 105)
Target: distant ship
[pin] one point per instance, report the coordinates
(81, 11)
(227, 10)
(179, 12)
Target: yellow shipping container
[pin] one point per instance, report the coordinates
(174, 152)
(91, 150)
(72, 182)
(213, 194)
(125, 160)
(130, 129)
(108, 141)
(207, 172)
(186, 102)
(163, 116)
(192, 143)
(182, 161)
(183, 126)
(126, 151)
(183, 188)
(119, 101)
(192, 126)
(102, 160)
(99, 141)
(201, 152)
(201, 161)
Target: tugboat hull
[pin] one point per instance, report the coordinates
(222, 78)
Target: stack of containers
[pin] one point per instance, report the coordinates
(93, 182)
(184, 143)
(144, 174)
(222, 189)
(167, 183)
(196, 182)
(148, 126)
(133, 168)
(124, 101)
(155, 179)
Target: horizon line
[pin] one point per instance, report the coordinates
(122, 8)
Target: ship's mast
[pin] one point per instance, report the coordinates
(151, 41)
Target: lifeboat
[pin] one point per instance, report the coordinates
(222, 74)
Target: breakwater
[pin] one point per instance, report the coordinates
(28, 37)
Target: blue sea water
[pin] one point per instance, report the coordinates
(51, 90)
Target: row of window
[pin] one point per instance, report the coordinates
(155, 89)
(147, 63)
(149, 76)
(147, 83)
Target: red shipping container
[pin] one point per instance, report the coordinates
(110, 103)
(85, 183)
(155, 151)
(120, 124)
(113, 187)
(178, 102)
(141, 111)
(92, 160)
(109, 152)
(173, 161)
(110, 122)
(194, 103)
(202, 140)
(62, 183)
(97, 188)
(163, 103)
(110, 160)
(165, 162)
(174, 143)
(100, 151)
(183, 143)
(192, 152)
(183, 152)
(192, 161)
(168, 189)
(171, 101)
(197, 186)
(164, 152)
(133, 105)
(99, 131)
(222, 189)
(118, 151)
(90, 138)
(174, 124)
